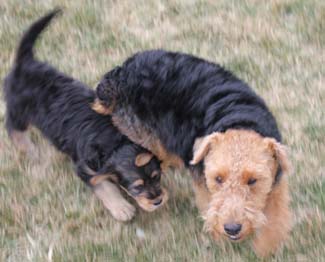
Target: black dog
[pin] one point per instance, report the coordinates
(59, 106)
(185, 109)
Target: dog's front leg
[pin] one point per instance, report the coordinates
(113, 200)
(276, 230)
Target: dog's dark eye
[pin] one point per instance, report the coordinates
(251, 181)
(138, 188)
(219, 179)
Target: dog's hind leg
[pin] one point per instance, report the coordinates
(17, 131)
(22, 141)
(113, 200)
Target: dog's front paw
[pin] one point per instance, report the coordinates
(113, 200)
(123, 211)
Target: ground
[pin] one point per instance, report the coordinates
(46, 213)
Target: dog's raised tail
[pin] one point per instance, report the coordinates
(25, 48)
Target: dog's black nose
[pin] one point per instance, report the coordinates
(232, 228)
(157, 202)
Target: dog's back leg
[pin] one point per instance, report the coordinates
(17, 126)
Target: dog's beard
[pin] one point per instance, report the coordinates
(220, 210)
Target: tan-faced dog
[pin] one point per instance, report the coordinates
(189, 111)
(242, 196)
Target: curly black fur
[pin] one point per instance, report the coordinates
(180, 97)
(59, 106)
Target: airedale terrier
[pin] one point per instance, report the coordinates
(189, 111)
(59, 106)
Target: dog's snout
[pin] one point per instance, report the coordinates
(232, 229)
(157, 202)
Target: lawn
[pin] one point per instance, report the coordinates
(48, 214)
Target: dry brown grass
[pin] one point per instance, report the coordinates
(277, 46)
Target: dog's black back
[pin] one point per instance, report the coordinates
(181, 97)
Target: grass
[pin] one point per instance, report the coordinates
(46, 213)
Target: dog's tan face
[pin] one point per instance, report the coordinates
(240, 168)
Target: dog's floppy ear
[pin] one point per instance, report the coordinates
(143, 159)
(202, 147)
(280, 154)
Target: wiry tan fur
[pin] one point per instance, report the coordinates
(230, 160)
(137, 133)
(202, 195)
(278, 224)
